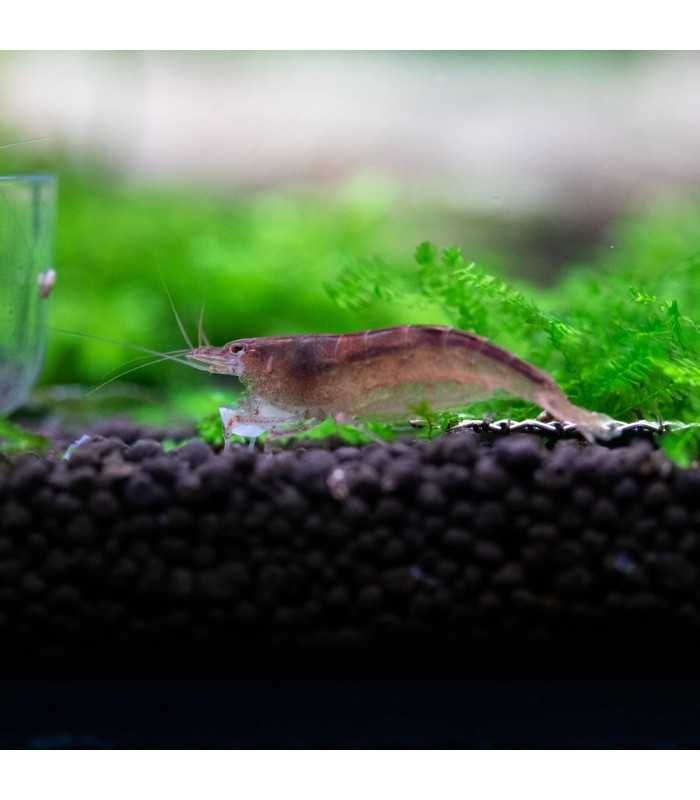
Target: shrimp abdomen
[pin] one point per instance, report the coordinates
(387, 371)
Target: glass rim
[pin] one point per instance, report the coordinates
(40, 177)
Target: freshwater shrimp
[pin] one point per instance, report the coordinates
(380, 374)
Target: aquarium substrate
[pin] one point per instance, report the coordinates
(465, 544)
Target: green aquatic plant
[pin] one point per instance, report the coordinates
(15, 439)
(348, 432)
(209, 428)
(618, 339)
(683, 446)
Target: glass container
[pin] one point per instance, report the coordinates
(27, 213)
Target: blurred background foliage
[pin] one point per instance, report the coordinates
(585, 237)
(256, 265)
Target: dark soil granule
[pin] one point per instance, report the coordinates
(457, 538)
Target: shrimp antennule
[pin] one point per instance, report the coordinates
(183, 331)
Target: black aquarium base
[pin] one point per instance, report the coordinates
(324, 712)
(423, 579)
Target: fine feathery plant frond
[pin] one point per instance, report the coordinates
(612, 337)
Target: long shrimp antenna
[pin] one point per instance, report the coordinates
(202, 337)
(187, 339)
(119, 375)
(136, 347)
(132, 361)
(24, 141)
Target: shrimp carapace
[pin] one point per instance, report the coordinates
(384, 373)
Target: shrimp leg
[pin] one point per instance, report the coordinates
(258, 417)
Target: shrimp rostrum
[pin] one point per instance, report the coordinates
(378, 374)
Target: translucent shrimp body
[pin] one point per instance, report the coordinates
(383, 374)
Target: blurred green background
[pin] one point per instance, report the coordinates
(248, 183)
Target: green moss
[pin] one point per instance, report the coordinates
(14, 439)
(683, 446)
(210, 429)
(621, 337)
